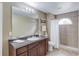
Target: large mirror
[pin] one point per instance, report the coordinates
(22, 24)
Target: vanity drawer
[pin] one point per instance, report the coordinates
(21, 50)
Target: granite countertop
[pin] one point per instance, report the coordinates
(26, 42)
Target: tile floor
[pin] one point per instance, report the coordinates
(61, 52)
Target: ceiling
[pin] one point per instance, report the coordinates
(55, 7)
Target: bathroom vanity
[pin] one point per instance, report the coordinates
(26, 24)
(29, 47)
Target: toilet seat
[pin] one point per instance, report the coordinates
(51, 45)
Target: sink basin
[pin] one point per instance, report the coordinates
(33, 38)
(18, 41)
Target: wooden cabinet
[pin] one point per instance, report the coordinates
(21, 50)
(39, 48)
(33, 51)
(23, 54)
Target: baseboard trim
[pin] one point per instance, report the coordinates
(70, 48)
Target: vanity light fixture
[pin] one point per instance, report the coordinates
(30, 10)
(26, 9)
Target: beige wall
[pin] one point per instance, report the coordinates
(23, 26)
(69, 33)
(41, 15)
(1, 11)
(6, 27)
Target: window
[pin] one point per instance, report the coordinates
(65, 21)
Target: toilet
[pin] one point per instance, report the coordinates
(51, 45)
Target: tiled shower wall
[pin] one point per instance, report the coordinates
(69, 33)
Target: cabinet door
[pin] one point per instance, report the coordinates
(41, 49)
(46, 48)
(21, 50)
(33, 51)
